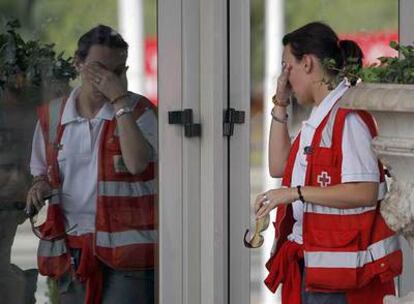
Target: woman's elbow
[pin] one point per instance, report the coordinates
(276, 172)
(370, 194)
(137, 169)
(139, 165)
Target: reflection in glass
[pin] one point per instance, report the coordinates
(98, 158)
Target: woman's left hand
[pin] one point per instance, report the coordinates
(267, 201)
(107, 82)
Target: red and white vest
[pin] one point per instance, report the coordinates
(125, 236)
(344, 249)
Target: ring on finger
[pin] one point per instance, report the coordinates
(265, 196)
(98, 80)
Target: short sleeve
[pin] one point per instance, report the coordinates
(147, 123)
(359, 162)
(38, 165)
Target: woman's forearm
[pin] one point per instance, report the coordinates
(343, 196)
(279, 144)
(134, 148)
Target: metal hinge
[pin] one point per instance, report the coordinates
(185, 118)
(231, 117)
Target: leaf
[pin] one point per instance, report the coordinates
(394, 45)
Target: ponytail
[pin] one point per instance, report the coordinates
(319, 39)
(351, 52)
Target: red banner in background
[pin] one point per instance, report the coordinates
(374, 44)
(150, 67)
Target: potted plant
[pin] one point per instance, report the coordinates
(387, 92)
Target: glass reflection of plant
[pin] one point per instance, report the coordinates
(31, 64)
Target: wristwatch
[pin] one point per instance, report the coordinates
(123, 111)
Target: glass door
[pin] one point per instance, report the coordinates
(42, 57)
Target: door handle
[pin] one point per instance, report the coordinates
(185, 118)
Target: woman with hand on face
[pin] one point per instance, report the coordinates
(332, 244)
(96, 150)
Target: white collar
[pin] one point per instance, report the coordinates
(70, 114)
(319, 112)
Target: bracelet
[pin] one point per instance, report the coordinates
(301, 198)
(279, 120)
(277, 102)
(118, 98)
(123, 111)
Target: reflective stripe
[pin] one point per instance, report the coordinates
(54, 118)
(382, 190)
(130, 237)
(318, 209)
(133, 189)
(51, 248)
(376, 251)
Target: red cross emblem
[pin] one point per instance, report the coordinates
(324, 179)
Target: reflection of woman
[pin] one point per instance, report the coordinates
(332, 244)
(97, 147)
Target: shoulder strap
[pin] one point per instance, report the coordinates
(50, 115)
(287, 176)
(339, 125)
(142, 104)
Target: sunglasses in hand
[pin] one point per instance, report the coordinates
(255, 240)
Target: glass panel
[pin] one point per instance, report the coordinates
(94, 161)
(372, 24)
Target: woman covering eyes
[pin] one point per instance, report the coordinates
(331, 243)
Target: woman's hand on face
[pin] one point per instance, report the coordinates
(107, 82)
(283, 90)
(267, 201)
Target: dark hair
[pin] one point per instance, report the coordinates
(319, 39)
(99, 35)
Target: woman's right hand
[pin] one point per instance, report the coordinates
(36, 194)
(283, 90)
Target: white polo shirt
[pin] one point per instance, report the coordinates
(359, 163)
(78, 160)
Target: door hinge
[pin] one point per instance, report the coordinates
(185, 118)
(231, 117)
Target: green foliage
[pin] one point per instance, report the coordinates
(30, 63)
(52, 291)
(392, 69)
(388, 70)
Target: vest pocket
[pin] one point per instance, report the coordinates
(331, 259)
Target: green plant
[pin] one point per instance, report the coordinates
(30, 63)
(53, 291)
(388, 70)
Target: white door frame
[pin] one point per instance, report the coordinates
(406, 36)
(198, 236)
(239, 151)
